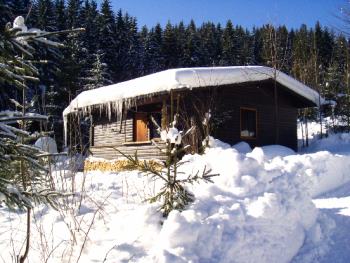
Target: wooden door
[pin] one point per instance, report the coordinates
(140, 127)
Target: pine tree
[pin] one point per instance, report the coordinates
(169, 47)
(132, 68)
(153, 60)
(74, 55)
(19, 7)
(90, 17)
(108, 40)
(210, 44)
(192, 52)
(228, 57)
(98, 76)
(174, 194)
(60, 16)
(23, 180)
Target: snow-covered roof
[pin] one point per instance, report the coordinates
(113, 96)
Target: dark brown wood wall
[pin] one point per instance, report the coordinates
(261, 97)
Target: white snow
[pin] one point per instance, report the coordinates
(171, 135)
(19, 23)
(35, 34)
(46, 144)
(260, 209)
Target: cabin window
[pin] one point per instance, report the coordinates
(248, 123)
(141, 133)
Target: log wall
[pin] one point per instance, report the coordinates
(109, 135)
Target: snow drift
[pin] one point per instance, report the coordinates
(259, 209)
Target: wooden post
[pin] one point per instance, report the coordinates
(171, 106)
(276, 108)
(91, 137)
(177, 104)
(164, 121)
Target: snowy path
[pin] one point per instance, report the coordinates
(336, 205)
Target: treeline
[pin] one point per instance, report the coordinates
(113, 48)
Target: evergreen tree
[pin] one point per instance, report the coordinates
(23, 178)
(192, 52)
(169, 47)
(73, 13)
(181, 38)
(132, 68)
(107, 39)
(60, 16)
(228, 57)
(257, 46)
(153, 60)
(90, 17)
(98, 76)
(19, 7)
(300, 54)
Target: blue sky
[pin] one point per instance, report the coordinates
(243, 12)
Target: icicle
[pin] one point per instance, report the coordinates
(109, 110)
(65, 120)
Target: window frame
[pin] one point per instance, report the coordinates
(241, 109)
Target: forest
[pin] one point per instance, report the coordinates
(114, 48)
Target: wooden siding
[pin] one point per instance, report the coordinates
(259, 97)
(111, 134)
(146, 151)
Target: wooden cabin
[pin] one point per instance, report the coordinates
(254, 104)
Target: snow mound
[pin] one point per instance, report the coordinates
(242, 147)
(335, 143)
(215, 143)
(269, 152)
(46, 144)
(247, 202)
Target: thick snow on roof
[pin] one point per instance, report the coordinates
(114, 95)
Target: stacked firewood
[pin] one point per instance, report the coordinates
(117, 165)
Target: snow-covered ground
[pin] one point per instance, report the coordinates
(269, 204)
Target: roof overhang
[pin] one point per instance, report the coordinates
(113, 96)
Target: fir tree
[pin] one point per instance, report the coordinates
(153, 60)
(23, 180)
(132, 67)
(192, 53)
(228, 46)
(60, 16)
(169, 47)
(181, 38)
(209, 44)
(98, 76)
(108, 39)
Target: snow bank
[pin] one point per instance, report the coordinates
(269, 152)
(46, 144)
(335, 143)
(259, 209)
